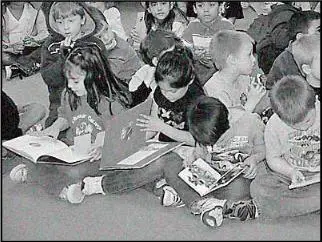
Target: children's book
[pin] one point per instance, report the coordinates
(45, 149)
(206, 177)
(202, 42)
(310, 178)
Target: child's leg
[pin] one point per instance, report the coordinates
(30, 115)
(274, 199)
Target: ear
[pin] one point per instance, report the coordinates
(155, 61)
(231, 59)
(83, 20)
(306, 69)
(194, 9)
(171, 5)
(298, 35)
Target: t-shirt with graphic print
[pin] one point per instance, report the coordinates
(174, 113)
(84, 119)
(300, 148)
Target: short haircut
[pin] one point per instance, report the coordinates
(299, 22)
(207, 120)
(306, 48)
(156, 42)
(67, 9)
(177, 64)
(292, 98)
(225, 43)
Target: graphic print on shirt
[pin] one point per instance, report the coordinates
(85, 124)
(175, 120)
(304, 151)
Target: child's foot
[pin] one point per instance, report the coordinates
(92, 185)
(72, 193)
(170, 198)
(243, 210)
(19, 173)
(211, 211)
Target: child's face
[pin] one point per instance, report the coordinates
(171, 93)
(182, 6)
(314, 78)
(245, 60)
(206, 11)
(266, 9)
(307, 122)
(76, 77)
(314, 26)
(245, 4)
(107, 37)
(160, 10)
(70, 26)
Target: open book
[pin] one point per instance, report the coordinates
(48, 150)
(205, 178)
(310, 178)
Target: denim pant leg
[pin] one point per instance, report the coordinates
(118, 181)
(274, 199)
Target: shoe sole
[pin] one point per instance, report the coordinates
(14, 172)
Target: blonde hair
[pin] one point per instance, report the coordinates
(225, 43)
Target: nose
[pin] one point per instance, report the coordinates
(66, 25)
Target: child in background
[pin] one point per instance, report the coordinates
(215, 127)
(232, 53)
(180, 10)
(112, 16)
(232, 11)
(249, 15)
(24, 30)
(91, 97)
(207, 23)
(306, 22)
(73, 26)
(292, 141)
(157, 15)
(156, 43)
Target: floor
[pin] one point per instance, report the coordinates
(28, 213)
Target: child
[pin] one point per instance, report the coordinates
(306, 22)
(249, 15)
(122, 58)
(207, 23)
(176, 89)
(157, 15)
(24, 30)
(232, 11)
(91, 96)
(292, 141)
(215, 127)
(73, 25)
(232, 53)
(156, 43)
(112, 16)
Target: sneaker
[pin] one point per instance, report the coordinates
(19, 173)
(92, 185)
(210, 210)
(158, 188)
(72, 193)
(243, 210)
(171, 198)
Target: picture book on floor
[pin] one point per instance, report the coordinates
(206, 177)
(310, 178)
(45, 149)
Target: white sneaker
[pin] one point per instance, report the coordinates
(93, 185)
(73, 193)
(19, 173)
(171, 198)
(8, 72)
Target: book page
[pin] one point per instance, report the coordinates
(314, 177)
(32, 147)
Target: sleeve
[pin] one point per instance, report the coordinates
(274, 74)
(41, 27)
(51, 65)
(187, 34)
(272, 141)
(258, 129)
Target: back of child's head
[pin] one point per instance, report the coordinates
(306, 49)
(225, 43)
(300, 22)
(207, 120)
(292, 98)
(99, 80)
(175, 66)
(155, 43)
(150, 20)
(61, 10)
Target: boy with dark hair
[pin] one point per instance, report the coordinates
(73, 26)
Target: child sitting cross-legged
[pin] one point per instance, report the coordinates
(91, 96)
(215, 127)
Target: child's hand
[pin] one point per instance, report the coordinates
(251, 171)
(96, 152)
(50, 131)
(297, 176)
(150, 123)
(255, 93)
(134, 35)
(17, 48)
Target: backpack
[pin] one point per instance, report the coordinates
(276, 38)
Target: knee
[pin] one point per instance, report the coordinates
(36, 110)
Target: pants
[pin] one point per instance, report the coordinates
(30, 115)
(274, 199)
(235, 191)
